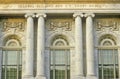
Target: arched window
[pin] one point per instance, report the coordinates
(108, 58)
(59, 59)
(11, 59)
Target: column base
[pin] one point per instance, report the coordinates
(28, 77)
(91, 77)
(40, 77)
(78, 77)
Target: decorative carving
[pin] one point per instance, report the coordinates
(15, 26)
(60, 25)
(104, 25)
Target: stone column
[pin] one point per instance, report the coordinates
(119, 60)
(78, 45)
(90, 46)
(0, 62)
(29, 47)
(40, 46)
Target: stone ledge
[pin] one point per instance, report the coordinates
(57, 1)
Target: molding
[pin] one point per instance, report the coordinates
(60, 47)
(22, 9)
(89, 14)
(29, 15)
(41, 15)
(58, 1)
(78, 15)
(59, 6)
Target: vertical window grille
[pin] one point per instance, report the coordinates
(59, 59)
(60, 64)
(108, 63)
(11, 64)
(108, 59)
(11, 59)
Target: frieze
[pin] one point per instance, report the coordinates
(55, 25)
(107, 25)
(60, 6)
(14, 26)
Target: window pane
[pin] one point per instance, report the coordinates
(60, 64)
(108, 63)
(3, 59)
(12, 65)
(12, 58)
(60, 57)
(11, 72)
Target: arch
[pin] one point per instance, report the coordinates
(107, 39)
(11, 39)
(65, 36)
(12, 42)
(59, 41)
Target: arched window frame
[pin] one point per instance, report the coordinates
(103, 42)
(10, 49)
(55, 46)
(112, 49)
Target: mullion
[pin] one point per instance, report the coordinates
(60, 65)
(11, 71)
(110, 65)
(102, 59)
(6, 56)
(18, 57)
(54, 64)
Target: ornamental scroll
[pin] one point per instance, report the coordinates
(64, 25)
(102, 25)
(13, 26)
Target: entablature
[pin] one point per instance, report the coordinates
(57, 1)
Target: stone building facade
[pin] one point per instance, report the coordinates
(57, 39)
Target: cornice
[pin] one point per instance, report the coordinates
(56, 1)
(59, 8)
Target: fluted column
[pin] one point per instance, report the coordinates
(40, 46)
(29, 47)
(90, 46)
(78, 45)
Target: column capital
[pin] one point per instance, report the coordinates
(29, 15)
(89, 14)
(77, 14)
(41, 15)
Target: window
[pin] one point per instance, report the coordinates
(59, 60)
(108, 59)
(11, 61)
